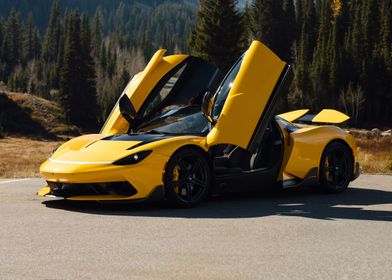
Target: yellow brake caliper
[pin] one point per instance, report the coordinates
(175, 178)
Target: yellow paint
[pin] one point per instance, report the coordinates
(293, 115)
(251, 90)
(330, 116)
(44, 191)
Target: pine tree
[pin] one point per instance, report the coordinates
(306, 23)
(97, 32)
(1, 45)
(354, 48)
(69, 74)
(247, 24)
(367, 78)
(290, 28)
(218, 35)
(31, 46)
(12, 50)
(51, 44)
(299, 18)
(385, 35)
(88, 87)
(111, 61)
(321, 59)
(268, 25)
(146, 43)
(336, 74)
(309, 29)
(102, 58)
(77, 85)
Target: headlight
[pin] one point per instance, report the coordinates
(133, 159)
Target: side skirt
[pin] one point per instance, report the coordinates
(262, 180)
(311, 179)
(245, 181)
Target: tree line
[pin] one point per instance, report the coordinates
(85, 64)
(341, 51)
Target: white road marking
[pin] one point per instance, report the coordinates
(14, 181)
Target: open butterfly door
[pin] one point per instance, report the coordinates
(139, 88)
(244, 103)
(175, 80)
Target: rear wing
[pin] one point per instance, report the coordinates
(326, 116)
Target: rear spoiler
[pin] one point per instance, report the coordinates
(327, 116)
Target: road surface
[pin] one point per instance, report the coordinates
(292, 235)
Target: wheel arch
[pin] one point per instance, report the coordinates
(194, 147)
(200, 149)
(202, 154)
(344, 143)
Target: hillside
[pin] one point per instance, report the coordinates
(40, 9)
(26, 114)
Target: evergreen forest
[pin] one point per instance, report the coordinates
(81, 54)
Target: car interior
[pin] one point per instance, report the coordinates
(233, 159)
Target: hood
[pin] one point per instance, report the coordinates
(101, 149)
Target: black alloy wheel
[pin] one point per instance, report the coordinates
(187, 178)
(336, 168)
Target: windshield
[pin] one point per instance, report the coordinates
(224, 90)
(179, 121)
(164, 92)
(183, 86)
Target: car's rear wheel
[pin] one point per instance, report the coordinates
(336, 168)
(187, 178)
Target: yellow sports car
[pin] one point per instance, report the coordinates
(170, 136)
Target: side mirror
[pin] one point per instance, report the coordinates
(206, 105)
(126, 108)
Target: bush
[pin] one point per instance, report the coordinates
(390, 163)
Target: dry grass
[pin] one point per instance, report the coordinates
(21, 157)
(375, 155)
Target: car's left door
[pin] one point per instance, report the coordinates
(244, 103)
(166, 81)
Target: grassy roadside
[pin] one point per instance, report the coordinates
(21, 157)
(375, 155)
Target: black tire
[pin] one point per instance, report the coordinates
(336, 168)
(187, 178)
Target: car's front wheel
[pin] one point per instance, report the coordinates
(187, 179)
(336, 168)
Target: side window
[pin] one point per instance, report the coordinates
(164, 91)
(224, 89)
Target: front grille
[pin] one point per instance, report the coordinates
(69, 189)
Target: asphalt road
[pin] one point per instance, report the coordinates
(291, 235)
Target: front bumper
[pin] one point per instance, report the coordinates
(74, 181)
